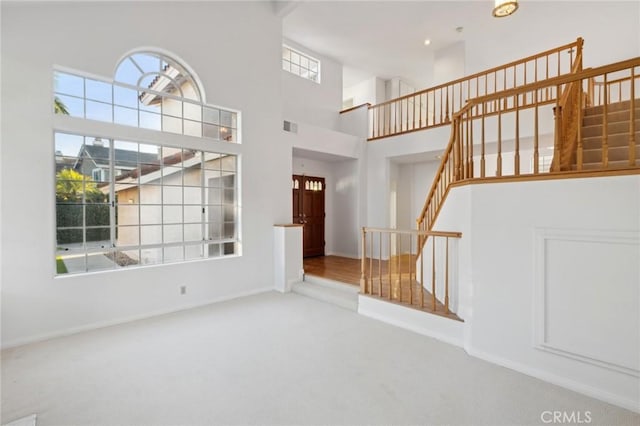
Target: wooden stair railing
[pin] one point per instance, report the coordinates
(476, 124)
(436, 105)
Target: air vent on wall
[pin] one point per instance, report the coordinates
(290, 127)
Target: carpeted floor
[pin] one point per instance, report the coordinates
(272, 359)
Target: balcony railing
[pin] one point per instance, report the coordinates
(435, 106)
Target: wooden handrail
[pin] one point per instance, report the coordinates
(579, 41)
(457, 161)
(415, 232)
(367, 104)
(436, 105)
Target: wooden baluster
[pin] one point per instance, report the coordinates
(482, 142)
(399, 257)
(441, 109)
(389, 269)
(536, 139)
(605, 124)
(422, 272)
(471, 148)
(453, 110)
(413, 115)
(504, 87)
(370, 280)
(420, 111)
(558, 133)
(380, 264)
(579, 151)
(395, 117)
(495, 89)
(558, 68)
(632, 118)
(446, 277)
(433, 273)
(499, 160)
(447, 106)
(546, 77)
(516, 156)
(363, 276)
(410, 273)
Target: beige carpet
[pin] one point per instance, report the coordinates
(272, 359)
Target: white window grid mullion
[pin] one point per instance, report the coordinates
(112, 195)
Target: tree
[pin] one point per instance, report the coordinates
(70, 188)
(59, 107)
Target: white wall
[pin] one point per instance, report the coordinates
(242, 72)
(448, 63)
(550, 280)
(547, 26)
(370, 91)
(304, 101)
(341, 201)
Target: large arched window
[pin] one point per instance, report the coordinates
(151, 91)
(123, 202)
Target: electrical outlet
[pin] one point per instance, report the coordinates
(183, 289)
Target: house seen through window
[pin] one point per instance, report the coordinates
(123, 202)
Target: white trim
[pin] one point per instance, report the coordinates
(557, 380)
(541, 236)
(443, 329)
(110, 323)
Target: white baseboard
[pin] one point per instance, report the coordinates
(347, 255)
(618, 400)
(103, 324)
(443, 329)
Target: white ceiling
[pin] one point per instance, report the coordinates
(384, 38)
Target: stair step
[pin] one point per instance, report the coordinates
(334, 292)
(619, 153)
(612, 117)
(624, 164)
(612, 107)
(614, 140)
(615, 127)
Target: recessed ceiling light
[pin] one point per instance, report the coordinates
(427, 42)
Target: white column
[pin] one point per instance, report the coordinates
(287, 256)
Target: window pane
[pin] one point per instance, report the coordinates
(211, 115)
(71, 262)
(125, 116)
(215, 250)
(127, 236)
(97, 214)
(150, 215)
(172, 233)
(229, 230)
(172, 195)
(229, 162)
(192, 111)
(149, 120)
(69, 238)
(214, 231)
(226, 119)
(125, 258)
(295, 69)
(98, 237)
(172, 214)
(74, 106)
(99, 111)
(68, 84)
(210, 131)
(295, 58)
(100, 261)
(214, 213)
(69, 215)
(150, 256)
(172, 107)
(214, 195)
(193, 252)
(192, 128)
(150, 234)
(127, 214)
(125, 97)
(192, 176)
(99, 91)
(150, 194)
(192, 195)
(173, 254)
(192, 214)
(193, 232)
(286, 65)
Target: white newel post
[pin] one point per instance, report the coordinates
(287, 256)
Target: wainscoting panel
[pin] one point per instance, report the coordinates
(587, 296)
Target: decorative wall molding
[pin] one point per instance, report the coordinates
(579, 238)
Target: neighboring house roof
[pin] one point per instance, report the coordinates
(100, 155)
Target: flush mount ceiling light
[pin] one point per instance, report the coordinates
(504, 8)
(427, 42)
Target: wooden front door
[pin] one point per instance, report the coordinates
(308, 209)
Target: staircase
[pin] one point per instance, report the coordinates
(618, 135)
(334, 292)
